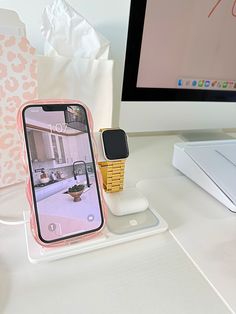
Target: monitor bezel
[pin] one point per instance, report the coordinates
(130, 92)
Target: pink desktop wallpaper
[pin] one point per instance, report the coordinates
(185, 39)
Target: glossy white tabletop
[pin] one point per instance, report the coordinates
(152, 275)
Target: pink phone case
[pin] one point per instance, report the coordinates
(29, 195)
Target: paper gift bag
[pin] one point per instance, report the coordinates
(77, 78)
(17, 85)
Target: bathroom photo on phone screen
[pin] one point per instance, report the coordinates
(64, 181)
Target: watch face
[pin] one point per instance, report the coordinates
(115, 144)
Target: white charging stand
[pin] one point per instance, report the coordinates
(129, 218)
(118, 229)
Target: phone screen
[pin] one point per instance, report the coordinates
(62, 169)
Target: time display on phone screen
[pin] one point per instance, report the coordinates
(63, 177)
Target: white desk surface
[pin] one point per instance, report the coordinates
(190, 269)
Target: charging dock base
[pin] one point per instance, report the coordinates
(116, 231)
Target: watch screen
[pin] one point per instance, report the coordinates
(115, 144)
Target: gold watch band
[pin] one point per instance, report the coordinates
(113, 175)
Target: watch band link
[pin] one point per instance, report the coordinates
(113, 175)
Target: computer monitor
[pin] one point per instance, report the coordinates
(180, 66)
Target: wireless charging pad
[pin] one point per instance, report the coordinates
(118, 229)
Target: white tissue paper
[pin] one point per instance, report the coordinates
(70, 34)
(75, 64)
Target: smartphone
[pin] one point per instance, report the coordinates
(64, 183)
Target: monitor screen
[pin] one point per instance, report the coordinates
(181, 51)
(188, 44)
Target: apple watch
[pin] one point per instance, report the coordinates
(115, 150)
